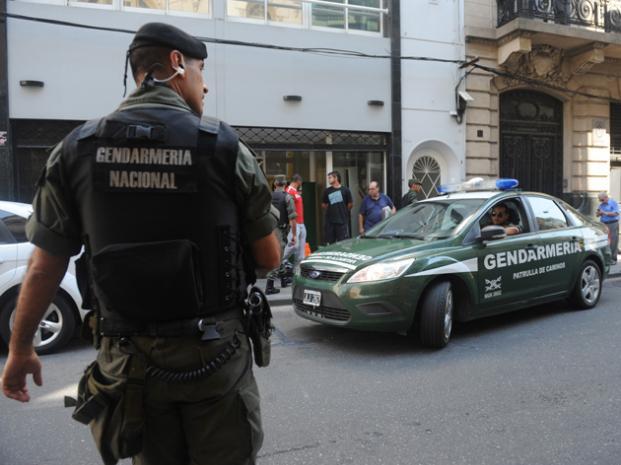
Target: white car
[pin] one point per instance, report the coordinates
(64, 315)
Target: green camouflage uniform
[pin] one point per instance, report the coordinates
(214, 420)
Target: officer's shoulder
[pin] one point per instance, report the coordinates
(87, 129)
(210, 124)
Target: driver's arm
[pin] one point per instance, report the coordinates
(513, 230)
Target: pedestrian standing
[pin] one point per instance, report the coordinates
(159, 198)
(283, 202)
(337, 203)
(415, 194)
(608, 212)
(374, 208)
(296, 244)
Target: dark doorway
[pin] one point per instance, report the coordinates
(531, 140)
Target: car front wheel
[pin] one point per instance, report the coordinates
(588, 287)
(55, 329)
(436, 318)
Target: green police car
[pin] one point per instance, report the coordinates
(453, 257)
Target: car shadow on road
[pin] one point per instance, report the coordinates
(382, 344)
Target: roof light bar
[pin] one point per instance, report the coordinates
(479, 184)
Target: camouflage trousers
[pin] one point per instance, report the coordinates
(210, 421)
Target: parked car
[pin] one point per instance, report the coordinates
(442, 260)
(64, 315)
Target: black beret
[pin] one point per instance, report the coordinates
(413, 181)
(165, 35)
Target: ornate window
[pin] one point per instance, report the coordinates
(427, 170)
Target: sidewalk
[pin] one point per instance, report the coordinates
(284, 296)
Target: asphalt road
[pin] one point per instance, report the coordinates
(538, 387)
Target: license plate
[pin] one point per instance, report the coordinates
(312, 298)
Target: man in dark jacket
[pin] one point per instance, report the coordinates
(283, 202)
(415, 193)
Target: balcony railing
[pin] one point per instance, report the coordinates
(603, 15)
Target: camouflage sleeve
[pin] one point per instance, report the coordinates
(291, 212)
(259, 217)
(53, 225)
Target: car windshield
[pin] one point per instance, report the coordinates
(437, 219)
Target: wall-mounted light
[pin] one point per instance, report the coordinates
(292, 98)
(375, 103)
(29, 83)
(461, 102)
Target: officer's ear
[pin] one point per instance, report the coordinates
(177, 62)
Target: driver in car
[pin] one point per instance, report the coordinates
(500, 217)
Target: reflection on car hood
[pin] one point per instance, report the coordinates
(351, 253)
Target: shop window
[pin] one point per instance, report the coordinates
(427, 171)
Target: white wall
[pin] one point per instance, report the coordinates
(432, 28)
(83, 70)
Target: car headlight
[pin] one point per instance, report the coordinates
(381, 271)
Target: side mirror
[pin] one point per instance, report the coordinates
(493, 233)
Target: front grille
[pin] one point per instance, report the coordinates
(324, 275)
(329, 313)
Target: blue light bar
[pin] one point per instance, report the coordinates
(478, 184)
(506, 183)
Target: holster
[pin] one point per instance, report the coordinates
(113, 408)
(259, 326)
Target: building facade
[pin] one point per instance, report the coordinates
(548, 113)
(311, 85)
(433, 136)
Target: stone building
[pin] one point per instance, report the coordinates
(552, 116)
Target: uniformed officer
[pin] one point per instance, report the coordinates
(414, 194)
(147, 191)
(283, 202)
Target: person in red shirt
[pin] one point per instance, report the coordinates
(296, 248)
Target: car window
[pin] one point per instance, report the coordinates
(14, 226)
(516, 215)
(574, 215)
(438, 219)
(547, 214)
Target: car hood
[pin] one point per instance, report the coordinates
(352, 253)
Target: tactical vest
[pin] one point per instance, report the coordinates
(154, 190)
(279, 200)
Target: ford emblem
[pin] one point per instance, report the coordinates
(314, 274)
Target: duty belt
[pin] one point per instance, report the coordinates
(206, 325)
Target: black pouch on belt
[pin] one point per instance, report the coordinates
(113, 408)
(144, 281)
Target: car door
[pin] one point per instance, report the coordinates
(8, 252)
(558, 248)
(505, 279)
